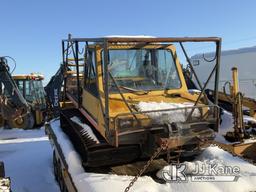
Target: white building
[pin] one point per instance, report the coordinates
(244, 59)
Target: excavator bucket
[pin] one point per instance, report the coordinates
(245, 150)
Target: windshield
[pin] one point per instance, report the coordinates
(143, 69)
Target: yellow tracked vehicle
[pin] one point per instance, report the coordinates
(124, 101)
(132, 94)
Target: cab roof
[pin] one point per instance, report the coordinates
(32, 76)
(141, 39)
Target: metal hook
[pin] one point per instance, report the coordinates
(81, 52)
(224, 90)
(211, 59)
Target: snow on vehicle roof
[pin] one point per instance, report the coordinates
(129, 36)
(30, 75)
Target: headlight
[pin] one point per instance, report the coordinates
(125, 123)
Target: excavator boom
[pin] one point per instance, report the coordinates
(12, 101)
(53, 91)
(10, 85)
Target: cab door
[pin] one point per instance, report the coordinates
(90, 96)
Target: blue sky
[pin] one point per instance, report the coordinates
(31, 30)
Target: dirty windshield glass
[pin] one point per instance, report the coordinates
(143, 69)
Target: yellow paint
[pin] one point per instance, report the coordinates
(39, 117)
(117, 106)
(235, 81)
(28, 76)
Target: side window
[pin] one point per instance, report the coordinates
(90, 77)
(167, 72)
(28, 94)
(27, 90)
(20, 86)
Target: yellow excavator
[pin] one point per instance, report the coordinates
(242, 137)
(22, 98)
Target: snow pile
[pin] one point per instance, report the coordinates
(93, 181)
(249, 118)
(86, 129)
(5, 184)
(228, 121)
(178, 115)
(215, 155)
(71, 156)
(191, 166)
(227, 124)
(100, 182)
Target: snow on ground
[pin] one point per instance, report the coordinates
(27, 155)
(227, 122)
(28, 161)
(100, 182)
(215, 155)
(6, 134)
(227, 125)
